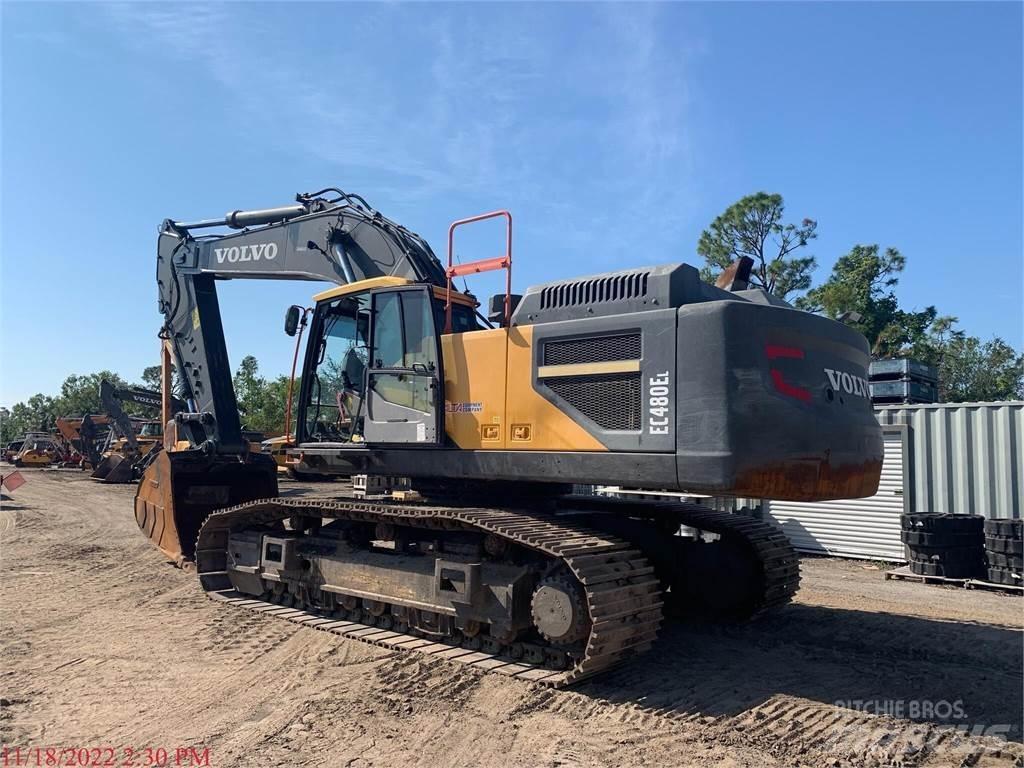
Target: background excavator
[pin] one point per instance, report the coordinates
(126, 457)
(87, 436)
(646, 377)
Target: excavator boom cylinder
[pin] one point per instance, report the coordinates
(243, 219)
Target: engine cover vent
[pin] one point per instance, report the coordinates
(595, 349)
(630, 285)
(614, 293)
(612, 401)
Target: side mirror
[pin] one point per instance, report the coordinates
(291, 319)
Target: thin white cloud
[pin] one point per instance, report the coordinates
(478, 100)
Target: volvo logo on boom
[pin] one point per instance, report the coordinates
(847, 382)
(237, 253)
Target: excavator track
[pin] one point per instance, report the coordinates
(622, 593)
(778, 563)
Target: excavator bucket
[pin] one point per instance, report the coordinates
(179, 489)
(115, 468)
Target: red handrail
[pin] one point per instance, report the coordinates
(482, 265)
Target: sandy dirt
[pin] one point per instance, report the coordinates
(105, 645)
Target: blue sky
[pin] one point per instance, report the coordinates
(614, 133)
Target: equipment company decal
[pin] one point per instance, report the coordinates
(255, 252)
(450, 407)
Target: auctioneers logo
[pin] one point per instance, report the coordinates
(237, 253)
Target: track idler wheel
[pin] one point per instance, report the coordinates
(559, 610)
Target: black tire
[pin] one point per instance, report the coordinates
(954, 564)
(915, 539)
(998, 560)
(1010, 529)
(934, 522)
(1004, 576)
(1004, 545)
(949, 554)
(951, 571)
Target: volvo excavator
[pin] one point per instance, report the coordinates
(126, 457)
(646, 377)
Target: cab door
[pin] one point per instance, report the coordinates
(403, 384)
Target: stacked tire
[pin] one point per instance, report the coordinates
(1004, 551)
(946, 546)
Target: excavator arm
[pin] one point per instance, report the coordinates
(111, 397)
(126, 463)
(327, 235)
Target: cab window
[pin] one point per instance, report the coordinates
(337, 382)
(404, 331)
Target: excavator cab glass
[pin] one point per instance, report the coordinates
(404, 381)
(336, 384)
(373, 369)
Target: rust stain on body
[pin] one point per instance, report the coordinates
(809, 480)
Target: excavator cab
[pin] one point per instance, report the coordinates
(377, 362)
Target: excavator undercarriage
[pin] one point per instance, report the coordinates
(549, 596)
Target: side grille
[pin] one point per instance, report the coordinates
(596, 349)
(581, 292)
(611, 401)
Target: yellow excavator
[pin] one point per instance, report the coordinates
(646, 377)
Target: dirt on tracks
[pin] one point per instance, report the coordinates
(105, 645)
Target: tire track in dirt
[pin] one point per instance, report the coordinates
(114, 645)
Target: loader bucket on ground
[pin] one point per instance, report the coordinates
(179, 489)
(105, 466)
(114, 469)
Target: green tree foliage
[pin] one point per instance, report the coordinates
(970, 370)
(754, 227)
(80, 394)
(151, 380)
(37, 414)
(864, 281)
(151, 377)
(261, 403)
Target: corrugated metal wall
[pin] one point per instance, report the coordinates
(852, 527)
(963, 457)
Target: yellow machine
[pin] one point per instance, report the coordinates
(38, 452)
(646, 377)
(277, 449)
